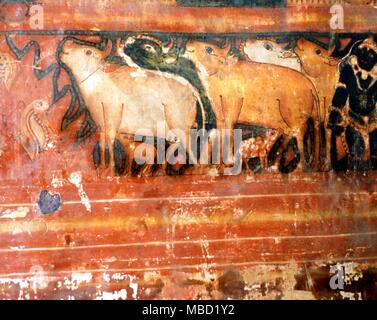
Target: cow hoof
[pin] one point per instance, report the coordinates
(120, 158)
(136, 169)
(325, 167)
(175, 170)
(97, 155)
(274, 152)
(97, 161)
(292, 164)
(255, 165)
(150, 170)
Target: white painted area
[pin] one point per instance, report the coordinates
(93, 80)
(82, 277)
(152, 276)
(134, 286)
(49, 145)
(76, 179)
(116, 295)
(57, 182)
(122, 294)
(268, 51)
(351, 272)
(76, 279)
(23, 284)
(207, 266)
(202, 70)
(138, 74)
(205, 249)
(20, 212)
(106, 277)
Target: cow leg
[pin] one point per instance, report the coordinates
(308, 143)
(325, 157)
(150, 166)
(231, 107)
(191, 157)
(301, 152)
(282, 153)
(110, 142)
(102, 143)
(129, 146)
(254, 165)
(179, 167)
(275, 151)
(120, 158)
(290, 157)
(112, 117)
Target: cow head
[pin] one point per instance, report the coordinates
(83, 58)
(314, 58)
(207, 56)
(40, 105)
(258, 48)
(146, 52)
(269, 51)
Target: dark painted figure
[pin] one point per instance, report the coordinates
(49, 203)
(356, 123)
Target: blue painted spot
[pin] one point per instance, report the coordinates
(49, 203)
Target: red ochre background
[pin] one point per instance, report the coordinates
(267, 236)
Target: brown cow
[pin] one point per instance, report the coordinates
(259, 94)
(321, 68)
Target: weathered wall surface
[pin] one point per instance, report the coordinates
(80, 219)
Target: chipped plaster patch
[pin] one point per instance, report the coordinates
(118, 276)
(76, 279)
(57, 182)
(20, 212)
(116, 295)
(76, 179)
(351, 272)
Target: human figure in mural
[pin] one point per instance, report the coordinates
(356, 122)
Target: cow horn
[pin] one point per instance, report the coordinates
(108, 47)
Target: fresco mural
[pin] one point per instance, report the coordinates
(187, 150)
(211, 82)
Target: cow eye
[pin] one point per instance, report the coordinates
(268, 47)
(88, 52)
(318, 52)
(209, 50)
(149, 48)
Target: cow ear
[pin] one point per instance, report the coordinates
(299, 44)
(331, 49)
(344, 43)
(332, 45)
